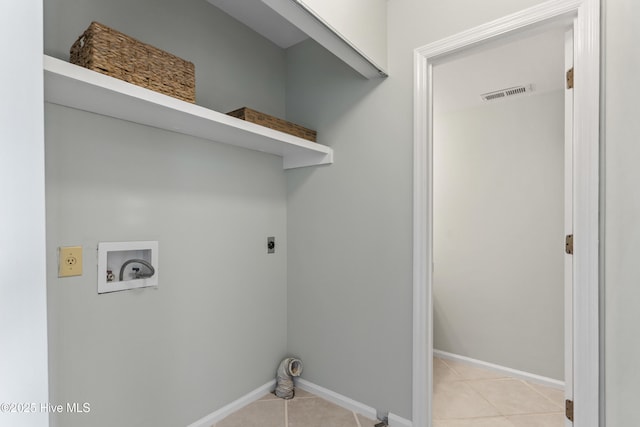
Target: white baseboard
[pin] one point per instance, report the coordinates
(237, 404)
(538, 379)
(338, 399)
(396, 421)
(331, 396)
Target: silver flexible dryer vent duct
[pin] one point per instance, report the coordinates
(289, 368)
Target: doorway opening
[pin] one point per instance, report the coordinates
(584, 18)
(498, 232)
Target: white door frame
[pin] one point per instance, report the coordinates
(586, 157)
(568, 222)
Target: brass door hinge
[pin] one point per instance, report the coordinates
(568, 244)
(570, 78)
(568, 406)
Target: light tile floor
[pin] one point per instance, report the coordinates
(304, 410)
(463, 396)
(466, 396)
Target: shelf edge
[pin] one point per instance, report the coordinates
(76, 87)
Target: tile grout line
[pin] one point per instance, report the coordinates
(466, 381)
(503, 416)
(485, 398)
(356, 417)
(462, 378)
(286, 413)
(454, 371)
(513, 379)
(494, 374)
(506, 416)
(484, 417)
(540, 393)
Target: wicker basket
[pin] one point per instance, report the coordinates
(266, 120)
(110, 52)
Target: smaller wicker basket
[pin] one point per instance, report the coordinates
(271, 122)
(115, 54)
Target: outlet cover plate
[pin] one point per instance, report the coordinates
(69, 261)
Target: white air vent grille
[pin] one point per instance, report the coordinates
(504, 93)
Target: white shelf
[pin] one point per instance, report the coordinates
(76, 87)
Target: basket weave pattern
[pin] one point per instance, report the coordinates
(115, 54)
(266, 120)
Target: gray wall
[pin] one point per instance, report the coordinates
(215, 328)
(498, 233)
(349, 225)
(347, 268)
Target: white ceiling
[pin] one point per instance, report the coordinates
(262, 19)
(533, 59)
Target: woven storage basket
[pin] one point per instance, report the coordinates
(266, 120)
(110, 52)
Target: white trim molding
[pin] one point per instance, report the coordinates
(396, 421)
(510, 372)
(331, 396)
(586, 20)
(338, 399)
(232, 407)
(26, 355)
(348, 403)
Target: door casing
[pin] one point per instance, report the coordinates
(585, 15)
(568, 223)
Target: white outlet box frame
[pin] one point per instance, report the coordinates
(103, 250)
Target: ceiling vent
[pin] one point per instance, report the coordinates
(505, 93)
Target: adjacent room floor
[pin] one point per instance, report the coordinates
(464, 396)
(467, 396)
